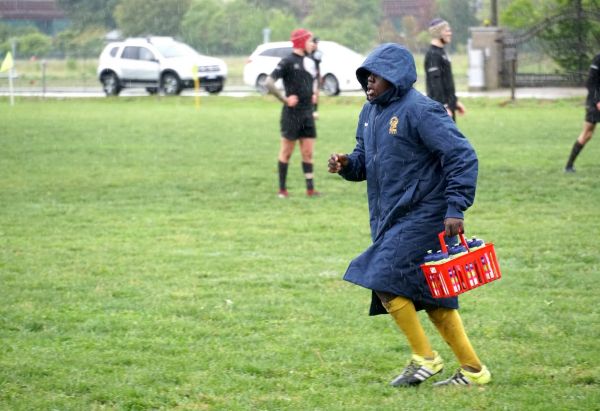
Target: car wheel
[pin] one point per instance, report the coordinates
(330, 86)
(110, 84)
(152, 90)
(171, 85)
(260, 84)
(215, 89)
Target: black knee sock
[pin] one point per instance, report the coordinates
(283, 167)
(307, 168)
(577, 147)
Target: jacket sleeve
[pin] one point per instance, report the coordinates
(434, 77)
(456, 155)
(448, 84)
(355, 170)
(593, 81)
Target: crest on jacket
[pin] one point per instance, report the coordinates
(393, 125)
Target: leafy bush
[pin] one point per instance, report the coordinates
(34, 45)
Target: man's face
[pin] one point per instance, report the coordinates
(446, 35)
(376, 86)
(310, 45)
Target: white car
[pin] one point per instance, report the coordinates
(158, 63)
(338, 65)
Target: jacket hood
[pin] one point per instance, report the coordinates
(392, 62)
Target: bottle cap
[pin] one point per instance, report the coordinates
(430, 258)
(456, 249)
(475, 242)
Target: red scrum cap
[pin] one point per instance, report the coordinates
(299, 37)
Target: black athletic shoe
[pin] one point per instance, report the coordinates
(418, 370)
(569, 169)
(464, 377)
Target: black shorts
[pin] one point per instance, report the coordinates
(592, 115)
(297, 123)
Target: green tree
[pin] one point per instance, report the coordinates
(461, 14)
(83, 13)
(80, 43)
(297, 8)
(570, 42)
(352, 23)
(201, 25)
(33, 45)
(217, 27)
(145, 17)
(281, 24)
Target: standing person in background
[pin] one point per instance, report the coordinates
(317, 56)
(438, 70)
(592, 113)
(298, 72)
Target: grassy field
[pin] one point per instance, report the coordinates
(146, 263)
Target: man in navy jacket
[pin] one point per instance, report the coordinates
(421, 176)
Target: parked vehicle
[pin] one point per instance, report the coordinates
(338, 66)
(158, 64)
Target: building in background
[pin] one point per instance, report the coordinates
(44, 14)
(421, 10)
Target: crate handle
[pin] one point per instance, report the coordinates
(442, 236)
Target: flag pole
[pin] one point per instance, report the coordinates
(10, 86)
(11, 72)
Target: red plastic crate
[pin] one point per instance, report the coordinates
(463, 272)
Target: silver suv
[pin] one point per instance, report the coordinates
(158, 64)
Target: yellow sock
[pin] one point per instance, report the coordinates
(404, 313)
(450, 326)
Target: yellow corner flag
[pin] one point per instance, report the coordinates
(8, 63)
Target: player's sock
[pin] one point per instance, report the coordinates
(404, 313)
(307, 168)
(450, 327)
(577, 147)
(283, 167)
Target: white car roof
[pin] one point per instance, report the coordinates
(326, 44)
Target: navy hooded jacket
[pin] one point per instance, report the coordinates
(419, 169)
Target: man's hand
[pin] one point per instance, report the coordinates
(453, 226)
(337, 162)
(460, 108)
(291, 100)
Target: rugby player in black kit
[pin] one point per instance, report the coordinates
(592, 113)
(299, 74)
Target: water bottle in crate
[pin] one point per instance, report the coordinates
(461, 267)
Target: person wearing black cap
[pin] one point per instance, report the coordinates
(592, 113)
(298, 72)
(438, 69)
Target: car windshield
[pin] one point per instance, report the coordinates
(174, 49)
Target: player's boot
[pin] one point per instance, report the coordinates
(464, 377)
(283, 194)
(311, 192)
(418, 370)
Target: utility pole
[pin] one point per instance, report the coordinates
(494, 12)
(580, 46)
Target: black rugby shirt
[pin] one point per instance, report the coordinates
(438, 73)
(593, 82)
(298, 74)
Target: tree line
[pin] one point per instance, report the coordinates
(234, 27)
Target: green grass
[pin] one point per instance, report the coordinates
(146, 263)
